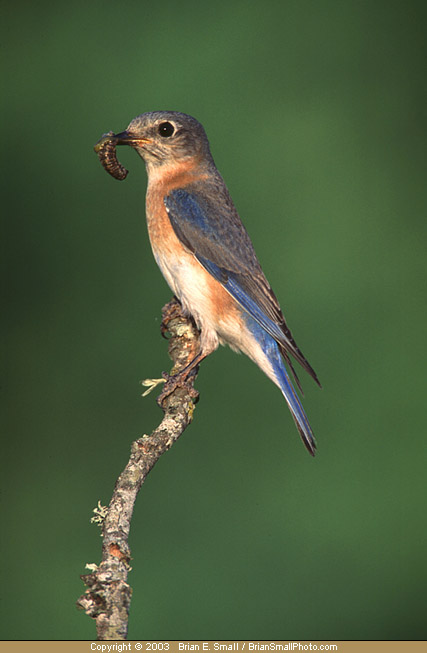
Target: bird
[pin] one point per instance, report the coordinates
(206, 255)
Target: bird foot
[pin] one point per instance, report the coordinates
(179, 380)
(170, 311)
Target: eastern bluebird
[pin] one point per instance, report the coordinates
(206, 255)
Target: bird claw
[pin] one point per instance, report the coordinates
(170, 311)
(179, 380)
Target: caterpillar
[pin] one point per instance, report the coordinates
(106, 151)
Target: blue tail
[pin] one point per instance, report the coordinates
(271, 349)
(294, 403)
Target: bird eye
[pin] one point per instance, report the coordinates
(166, 129)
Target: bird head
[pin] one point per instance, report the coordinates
(166, 138)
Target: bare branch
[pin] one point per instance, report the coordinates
(108, 596)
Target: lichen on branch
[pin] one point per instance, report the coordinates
(108, 594)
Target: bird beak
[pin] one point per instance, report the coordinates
(125, 138)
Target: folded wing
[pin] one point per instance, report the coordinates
(214, 233)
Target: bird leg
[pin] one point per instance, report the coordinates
(181, 379)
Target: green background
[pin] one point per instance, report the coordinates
(316, 115)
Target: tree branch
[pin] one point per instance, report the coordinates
(108, 596)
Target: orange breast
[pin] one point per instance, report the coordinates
(160, 229)
(213, 309)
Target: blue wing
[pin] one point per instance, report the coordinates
(209, 226)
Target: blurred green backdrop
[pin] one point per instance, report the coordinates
(316, 114)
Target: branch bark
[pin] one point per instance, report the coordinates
(108, 596)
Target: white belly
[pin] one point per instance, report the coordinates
(190, 283)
